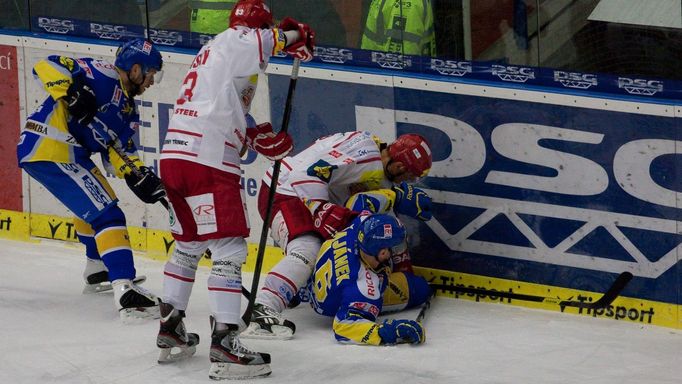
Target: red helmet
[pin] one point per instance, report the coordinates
(414, 152)
(251, 13)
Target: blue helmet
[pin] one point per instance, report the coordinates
(138, 51)
(381, 231)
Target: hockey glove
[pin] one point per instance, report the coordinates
(81, 102)
(274, 146)
(401, 332)
(330, 218)
(305, 46)
(146, 185)
(402, 262)
(412, 201)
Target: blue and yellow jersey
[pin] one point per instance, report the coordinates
(344, 287)
(51, 135)
(377, 201)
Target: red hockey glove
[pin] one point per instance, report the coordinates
(305, 46)
(274, 146)
(330, 218)
(402, 262)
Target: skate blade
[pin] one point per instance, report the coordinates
(139, 315)
(254, 331)
(234, 371)
(166, 355)
(106, 286)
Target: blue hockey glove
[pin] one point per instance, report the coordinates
(402, 331)
(412, 201)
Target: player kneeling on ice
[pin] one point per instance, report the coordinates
(200, 167)
(90, 108)
(350, 278)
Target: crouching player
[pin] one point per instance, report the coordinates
(90, 108)
(350, 278)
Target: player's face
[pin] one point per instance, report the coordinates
(141, 81)
(380, 261)
(397, 173)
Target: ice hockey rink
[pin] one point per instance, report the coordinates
(51, 333)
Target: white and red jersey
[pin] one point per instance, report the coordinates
(333, 168)
(208, 125)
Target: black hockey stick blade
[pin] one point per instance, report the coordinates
(425, 307)
(607, 298)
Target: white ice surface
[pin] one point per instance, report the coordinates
(51, 333)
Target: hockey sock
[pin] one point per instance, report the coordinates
(113, 243)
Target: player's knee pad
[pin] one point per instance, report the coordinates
(228, 255)
(187, 254)
(304, 249)
(405, 290)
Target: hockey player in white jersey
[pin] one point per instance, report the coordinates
(308, 208)
(200, 167)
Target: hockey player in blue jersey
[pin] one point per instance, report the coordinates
(90, 108)
(350, 278)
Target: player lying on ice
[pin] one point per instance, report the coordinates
(90, 108)
(308, 208)
(351, 277)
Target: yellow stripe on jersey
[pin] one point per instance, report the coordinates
(49, 149)
(280, 41)
(55, 79)
(83, 228)
(384, 197)
(397, 293)
(372, 180)
(102, 180)
(112, 239)
(358, 330)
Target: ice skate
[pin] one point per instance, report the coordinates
(96, 277)
(173, 340)
(134, 302)
(266, 323)
(230, 359)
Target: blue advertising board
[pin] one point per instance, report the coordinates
(530, 191)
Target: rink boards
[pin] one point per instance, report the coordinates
(543, 192)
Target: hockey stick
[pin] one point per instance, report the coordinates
(607, 298)
(271, 197)
(425, 307)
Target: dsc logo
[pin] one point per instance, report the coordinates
(575, 79)
(56, 25)
(451, 67)
(640, 86)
